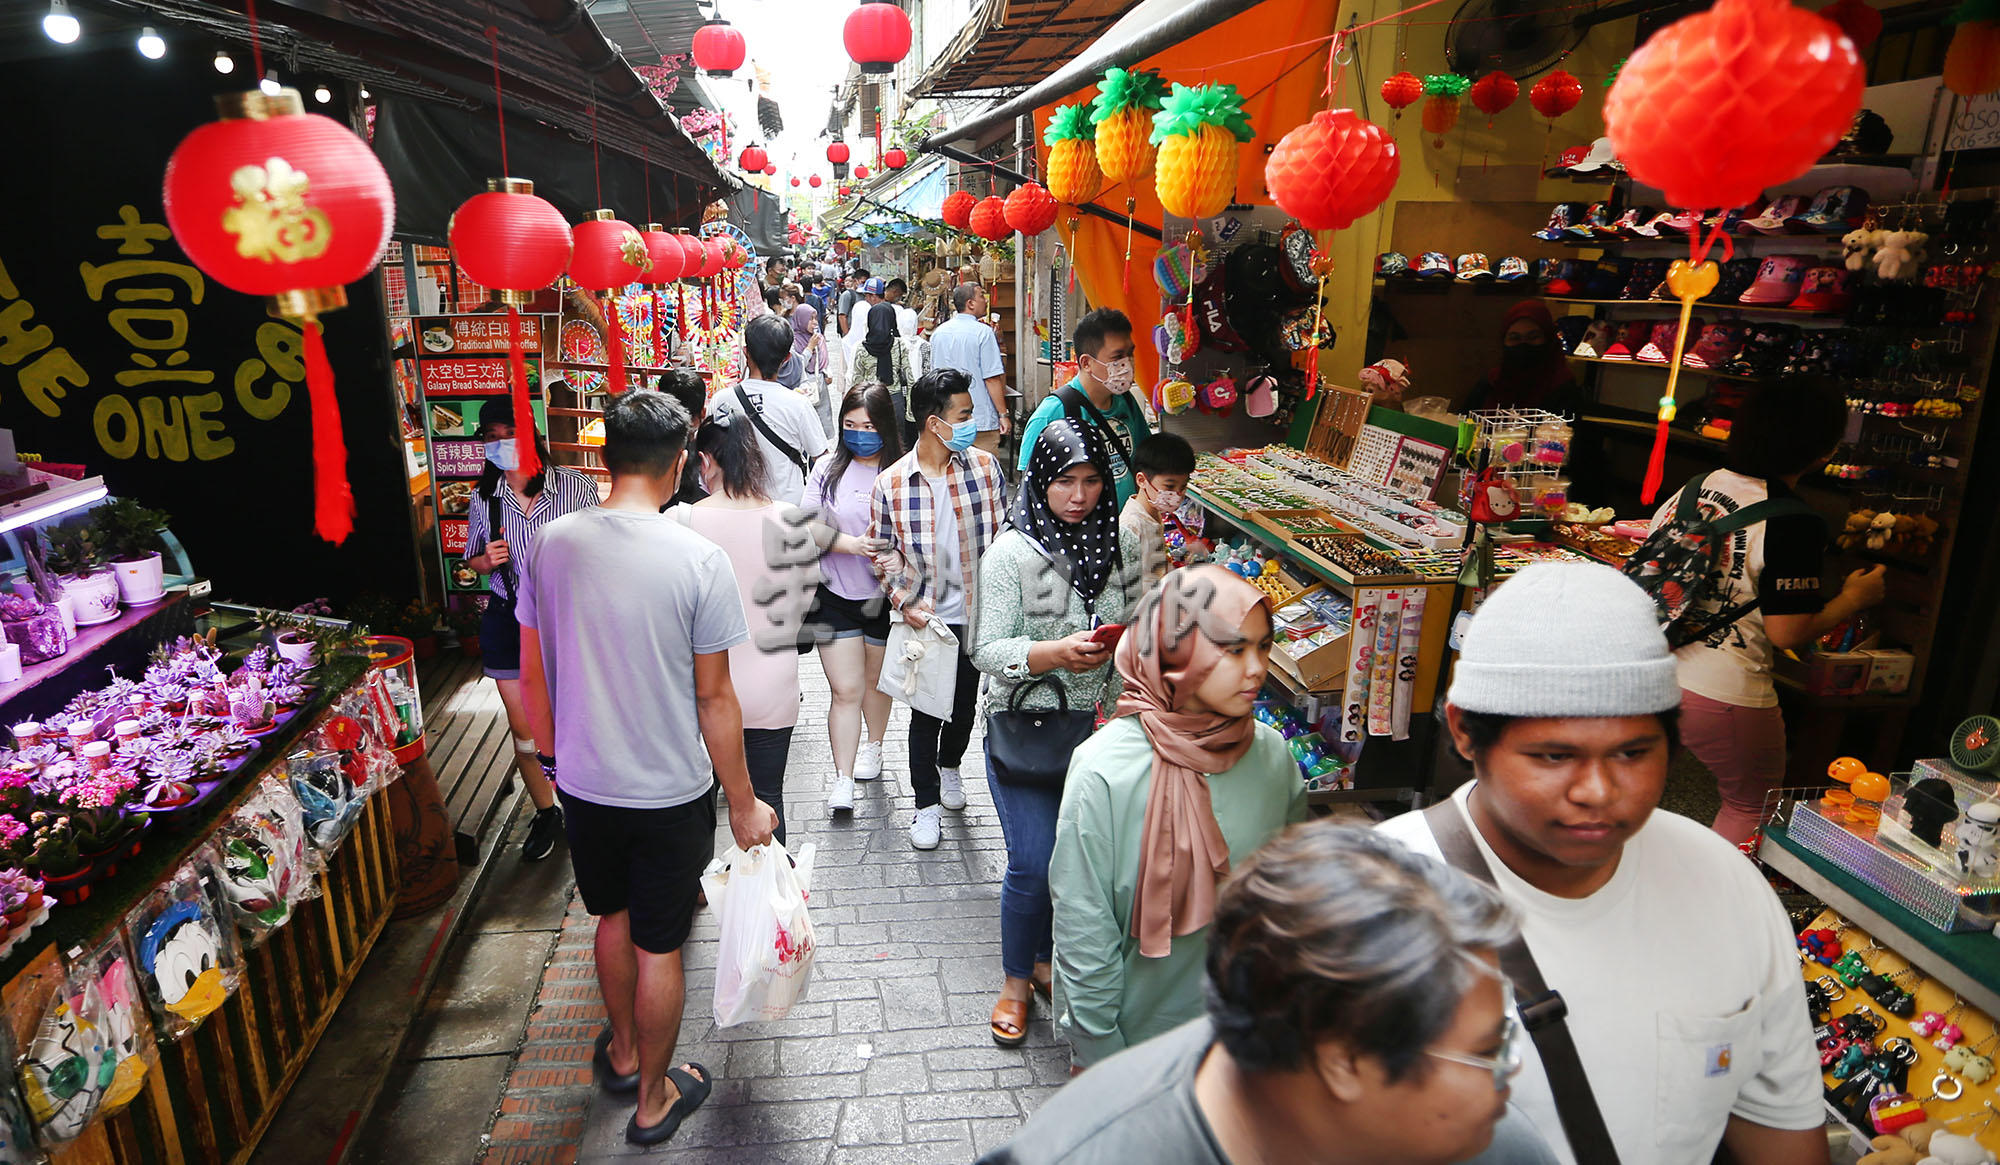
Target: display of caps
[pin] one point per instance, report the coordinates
(1434, 265)
(1727, 220)
(1645, 275)
(1778, 279)
(1594, 221)
(1391, 263)
(1560, 217)
(1511, 268)
(1836, 210)
(1597, 336)
(1650, 226)
(1736, 277)
(1632, 336)
(1474, 265)
(1567, 160)
(1685, 223)
(1659, 345)
(1626, 225)
(1825, 288)
(1868, 135)
(1600, 156)
(1717, 343)
(1605, 279)
(1570, 330)
(1776, 217)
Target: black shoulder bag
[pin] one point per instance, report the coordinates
(495, 530)
(1031, 748)
(1543, 1012)
(756, 415)
(1077, 407)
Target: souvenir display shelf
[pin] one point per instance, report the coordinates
(220, 1086)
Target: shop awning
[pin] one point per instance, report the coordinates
(921, 193)
(1009, 45)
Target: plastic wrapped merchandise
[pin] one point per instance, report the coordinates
(61, 1071)
(262, 864)
(186, 950)
(331, 799)
(129, 1052)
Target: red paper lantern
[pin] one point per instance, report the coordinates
(837, 152)
(734, 256)
(276, 202)
(795, 181)
(664, 249)
(1493, 93)
(514, 244)
(813, 181)
(754, 158)
(719, 48)
(610, 254)
(846, 190)
(1031, 209)
(1556, 94)
(861, 171)
(957, 210)
(877, 35)
(989, 219)
(895, 158)
(1861, 23)
(713, 257)
(1332, 170)
(770, 171)
(1403, 90)
(1664, 114)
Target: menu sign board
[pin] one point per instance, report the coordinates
(461, 369)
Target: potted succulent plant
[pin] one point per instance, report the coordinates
(20, 895)
(130, 534)
(49, 848)
(77, 559)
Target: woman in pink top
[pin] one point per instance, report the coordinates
(764, 670)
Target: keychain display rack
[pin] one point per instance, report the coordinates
(1528, 449)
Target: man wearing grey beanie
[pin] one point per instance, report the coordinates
(1674, 959)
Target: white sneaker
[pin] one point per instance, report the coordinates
(951, 789)
(868, 761)
(840, 799)
(927, 829)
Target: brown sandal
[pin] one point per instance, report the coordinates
(1010, 1013)
(1044, 987)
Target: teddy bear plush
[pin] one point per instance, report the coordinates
(1919, 1135)
(1901, 254)
(1858, 248)
(1953, 1149)
(1889, 1151)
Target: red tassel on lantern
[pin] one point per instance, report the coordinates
(274, 202)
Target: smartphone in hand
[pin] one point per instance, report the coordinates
(1107, 634)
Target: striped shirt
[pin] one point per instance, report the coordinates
(905, 514)
(564, 491)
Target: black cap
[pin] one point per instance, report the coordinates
(498, 411)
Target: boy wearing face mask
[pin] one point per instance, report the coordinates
(1100, 396)
(1163, 463)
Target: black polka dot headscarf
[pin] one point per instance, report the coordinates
(1085, 553)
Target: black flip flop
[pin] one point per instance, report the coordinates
(694, 1090)
(607, 1076)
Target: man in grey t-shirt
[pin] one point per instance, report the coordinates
(1356, 1013)
(622, 609)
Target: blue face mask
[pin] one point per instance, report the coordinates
(963, 435)
(861, 442)
(504, 454)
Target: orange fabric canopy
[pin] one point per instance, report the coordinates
(1281, 88)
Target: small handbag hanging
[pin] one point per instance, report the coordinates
(1030, 748)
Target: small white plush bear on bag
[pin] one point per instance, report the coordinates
(1858, 248)
(1953, 1149)
(1901, 254)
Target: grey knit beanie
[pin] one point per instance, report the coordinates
(1566, 639)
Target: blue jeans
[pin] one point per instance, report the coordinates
(1028, 820)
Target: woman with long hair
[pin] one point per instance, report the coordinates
(508, 507)
(851, 614)
(882, 359)
(1159, 805)
(1045, 585)
(1533, 372)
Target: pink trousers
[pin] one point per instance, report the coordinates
(1745, 749)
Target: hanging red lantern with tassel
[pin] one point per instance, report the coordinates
(1493, 93)
(515, 244)
(895, 158)
(610, 256)
(795, 181)
(275, 202)
(814, 181)
(957, 209)
(669, 260)
(1555, 94)
(691, 257)
(989, 219)
(1332, 170)
(877, 35)
(1402, 91)
(754, 159)
(1031, 209)
(837, 152)
(861, 171)
(719, 49)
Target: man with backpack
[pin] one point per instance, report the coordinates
(1100, 396)
(1733, 563)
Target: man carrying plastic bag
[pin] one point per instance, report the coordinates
(765, 958)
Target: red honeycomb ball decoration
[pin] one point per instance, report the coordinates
(989, 219)
(1493, 93)
(1031, 209)
(1556, 94)
(1402, 91)
(957, 210)
(1332, 170)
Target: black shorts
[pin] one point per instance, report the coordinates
(500, 640)
(646, 862)
(834, 617)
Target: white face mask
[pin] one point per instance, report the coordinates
(1168, 501)
(1117, 374)
(505, 454)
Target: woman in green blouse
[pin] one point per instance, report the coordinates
(1158, 805)
(1058, 570)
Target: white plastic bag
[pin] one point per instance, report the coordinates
(920, 668)
(766, 954)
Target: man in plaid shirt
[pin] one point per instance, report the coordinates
(939, 508)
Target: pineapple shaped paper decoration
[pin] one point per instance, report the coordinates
(1197, 131)
(1123, 115)
(1442, 92)
(1072, 139)
(1972, 62)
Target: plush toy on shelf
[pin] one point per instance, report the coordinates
(1386, 381)
(1901, 254)
(1858, 248)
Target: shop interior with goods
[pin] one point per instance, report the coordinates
(1320, 318)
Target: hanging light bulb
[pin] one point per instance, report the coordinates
(270, 84)
(364, 93)
(224, 63)
(322, 95)
(60, 26)
(151, 46)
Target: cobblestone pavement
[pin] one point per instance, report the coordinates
(887, 1060)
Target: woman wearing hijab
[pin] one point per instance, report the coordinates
(883, 360)
(1049, 579)
(809, 357)
(1158, 805)
(1533, 372)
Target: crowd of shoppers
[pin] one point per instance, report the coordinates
(1233, 983)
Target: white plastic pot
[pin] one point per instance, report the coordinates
(295, 647)
(93, 597)
(141, 580)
